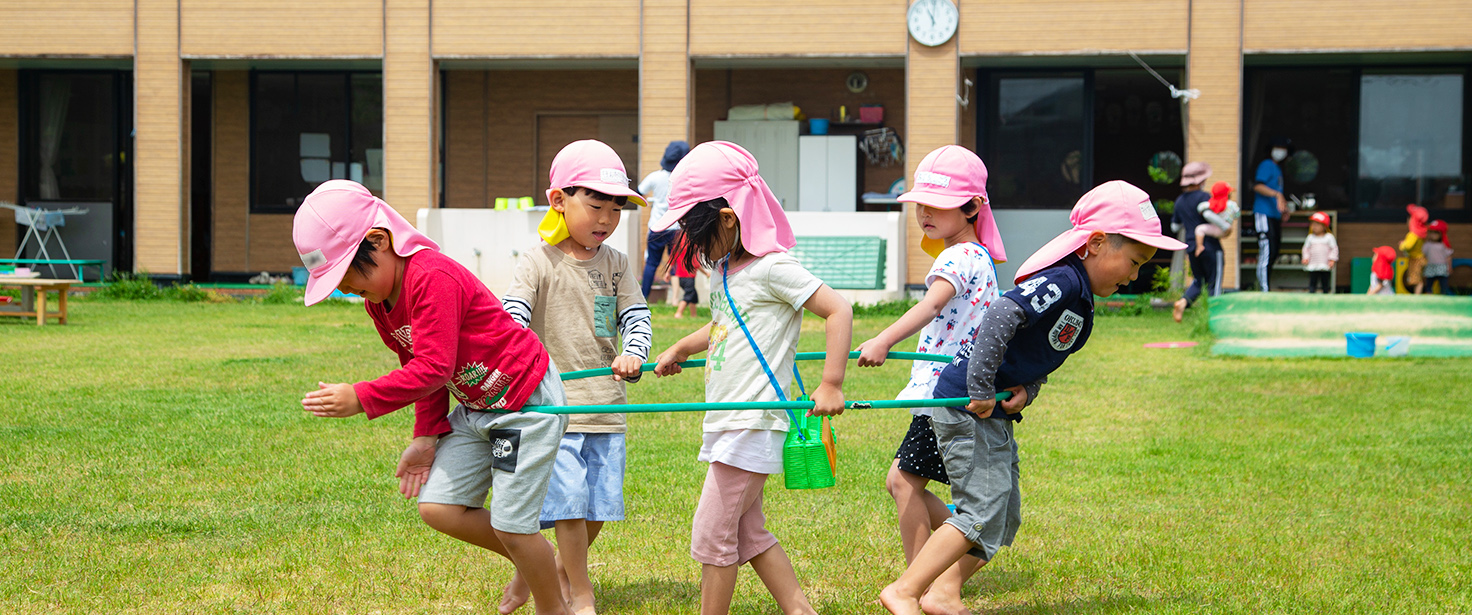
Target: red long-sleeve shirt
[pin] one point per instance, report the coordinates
(452, 338)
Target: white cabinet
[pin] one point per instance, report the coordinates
(774, 144)
(827, 173)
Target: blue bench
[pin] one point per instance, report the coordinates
(79, 266)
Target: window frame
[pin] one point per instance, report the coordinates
(1354, 214)
(347, 115)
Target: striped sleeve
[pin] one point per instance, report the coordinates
(519, 309)
(634, 327)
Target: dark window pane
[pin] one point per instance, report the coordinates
(74, 139)
(1410, 147)
(1316, 109)
(310, 127)
(367, 155)
(1137, 127)
(1035, 142)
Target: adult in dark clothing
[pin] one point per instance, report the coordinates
(1206, 267)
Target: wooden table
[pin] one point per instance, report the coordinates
(33, 297)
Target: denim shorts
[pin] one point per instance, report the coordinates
(587, 479)
(981, 460)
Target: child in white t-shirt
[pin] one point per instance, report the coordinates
(735, 226)
(956, 218)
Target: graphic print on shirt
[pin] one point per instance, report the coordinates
(1042, 302)
(475, 375)
(719, 332)
(403, 336)
(1065, 331)
(505, 443)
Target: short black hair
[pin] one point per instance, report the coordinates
(363, 261)
(971, 210)
(701, 228)
(597, 196)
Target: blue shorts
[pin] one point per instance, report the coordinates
(587, 479)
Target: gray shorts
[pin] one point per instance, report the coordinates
(508, 453)
(981, 460)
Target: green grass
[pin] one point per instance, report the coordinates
(156, 460)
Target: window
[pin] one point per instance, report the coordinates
(72, 149)
(1047, 138)
(309, 127)
(1035, 145)
(1367, 141)
(1410, 148)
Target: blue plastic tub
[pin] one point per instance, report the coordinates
(818, 127)
(299, 276)
(1360, 345)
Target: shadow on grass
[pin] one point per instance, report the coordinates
(1113, 604)
(650, 592)
(997, 581)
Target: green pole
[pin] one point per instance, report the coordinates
(752, 405)
(801, 356)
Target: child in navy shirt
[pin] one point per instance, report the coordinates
(1027, 334)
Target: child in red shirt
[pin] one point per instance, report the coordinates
(679, 271)
(452, 338)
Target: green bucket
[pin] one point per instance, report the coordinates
(809, 460)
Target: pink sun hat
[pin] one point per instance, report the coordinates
(1114, 207)
(717, 169)
(590, 164)
(330, 224)
(949, 178)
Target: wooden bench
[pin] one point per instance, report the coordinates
(33, 297)
(79, 266)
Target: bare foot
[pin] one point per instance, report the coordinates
(934, 604)
(1179, 310)
(679, 315)
(898, 604)
(584, 610)
(515, 595)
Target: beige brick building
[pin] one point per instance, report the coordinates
(190, 129)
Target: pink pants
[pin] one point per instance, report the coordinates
(729, 527)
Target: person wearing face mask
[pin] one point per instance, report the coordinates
(1268, 208)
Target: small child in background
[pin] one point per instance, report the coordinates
(1025, 335)
(954, 214)
(1438, 252)
(735, 225)
(1382, 271)
(1411, 247)
(1219, 212)
(577, 294)
(686, 276)
(452, 337)
(1320, 252)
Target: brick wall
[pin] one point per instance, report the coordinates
(1215, 120)
(231, 160)
(160, 238)
(476, 28)
(1357, 239)
(1356, 25)
(819, 92)
(780, 27)
(934, 121)
(284, 28)
(67, 27)
(492, 120)
(1069, 26)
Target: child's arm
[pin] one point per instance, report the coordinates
(873, 351)
(521, 297)
(1214, 218)
(997, 328)
(1303, 257)
(668, 363)
(633, 327)
(1333, 250)
(839, 335)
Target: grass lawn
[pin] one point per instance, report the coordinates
(156, 460)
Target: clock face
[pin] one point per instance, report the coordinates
(932, 22)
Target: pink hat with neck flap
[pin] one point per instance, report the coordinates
(948, 178)
(330, 224)
(1114, 207)
(717, 169)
